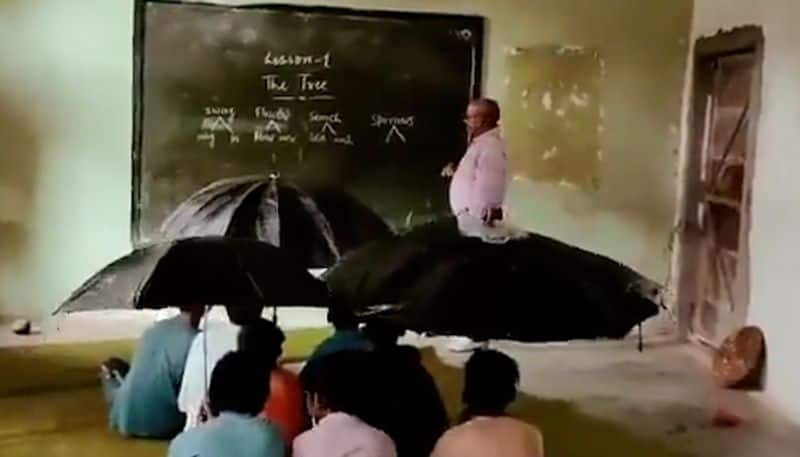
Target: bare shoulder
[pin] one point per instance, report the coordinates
(448, 443)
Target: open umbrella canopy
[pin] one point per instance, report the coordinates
(200, 271)
(316, 226)
(532, 288)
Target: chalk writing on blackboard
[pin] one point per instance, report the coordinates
(297, 60)
(396, 124)
(217, 120)
(302, 87)
(328, 127)
(273, 126)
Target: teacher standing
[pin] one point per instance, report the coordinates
(478, 186)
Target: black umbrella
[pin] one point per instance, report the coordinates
(202, 271)
(316, 225)
(529, 289)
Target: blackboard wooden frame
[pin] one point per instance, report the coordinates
(477, 24)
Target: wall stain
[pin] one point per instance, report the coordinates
(553, 117)
(19, 165)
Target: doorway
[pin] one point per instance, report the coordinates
(713, 290)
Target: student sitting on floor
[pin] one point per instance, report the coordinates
(236, 396)
(335, 401)
(263, 340)
(346, 337)
(490, 385)
(143, 399)
(217, 339)
(408, 406)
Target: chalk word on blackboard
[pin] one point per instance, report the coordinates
(297, 60)
(395, 123)
(262, 136)
(217, 120)
(305, 83)
(280, 114)
(273, 126)
(329, 126)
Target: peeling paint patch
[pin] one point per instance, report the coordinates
(550, 153)
(580, 100)
(554, 115)
(567, 184)
(547, 101)
(570, 48)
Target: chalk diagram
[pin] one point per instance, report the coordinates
(273, 126)
(396, 126)
(327, 128)
(395, 132)
(218, 121)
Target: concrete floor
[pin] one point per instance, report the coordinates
(664, 392)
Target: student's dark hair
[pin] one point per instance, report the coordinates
(262, 340)
(342, 318)
(490, 382)
(238, 384)
(382, 333)
(343, 381)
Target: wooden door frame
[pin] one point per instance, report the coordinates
(742, 39)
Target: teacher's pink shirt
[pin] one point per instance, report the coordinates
(480, 181)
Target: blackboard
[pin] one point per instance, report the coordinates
(371, 102)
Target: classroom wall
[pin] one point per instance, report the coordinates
(774, 244)
(65, 125)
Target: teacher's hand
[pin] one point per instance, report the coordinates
(448, 171)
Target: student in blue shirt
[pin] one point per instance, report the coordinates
(236, 396)
(143, 399)
(346, 337)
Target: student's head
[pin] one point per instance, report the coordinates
(490, 382)
(193, 312)
(383, 334)
(342, 318)
(262, 339)
(482, 115)
(338, 384)
(238, 384)
(241, 315)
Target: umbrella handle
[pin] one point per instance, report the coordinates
(205, 352)
(641, 342)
